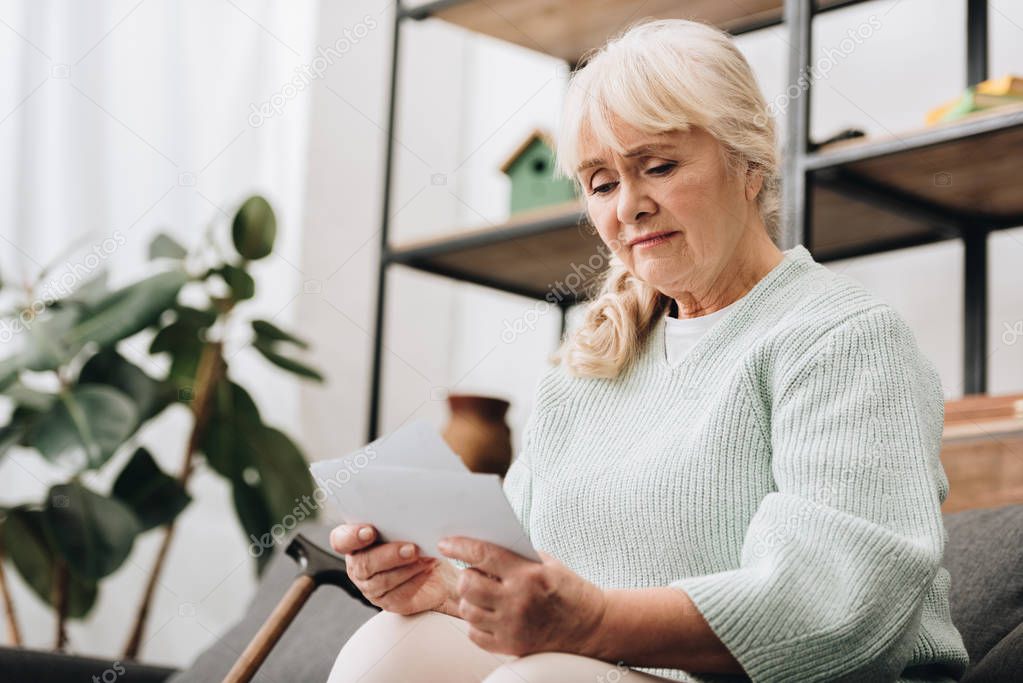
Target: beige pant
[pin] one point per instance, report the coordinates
(430, 646)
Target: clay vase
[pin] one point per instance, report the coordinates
(477, 432)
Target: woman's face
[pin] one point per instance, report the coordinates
(675, 183)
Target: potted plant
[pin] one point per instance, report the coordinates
(78, 402)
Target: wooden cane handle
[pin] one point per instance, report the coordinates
(268, 635)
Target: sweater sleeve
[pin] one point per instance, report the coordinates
(518, 480)
(837, 561)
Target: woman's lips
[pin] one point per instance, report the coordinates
(654, 241)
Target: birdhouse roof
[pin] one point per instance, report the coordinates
(538, 133)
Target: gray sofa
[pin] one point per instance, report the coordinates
(984, 556)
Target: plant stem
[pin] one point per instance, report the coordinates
(207, 375)
(60, 600)
(12, 622)
(131, 650)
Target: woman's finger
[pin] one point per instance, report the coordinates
(484, 639)
(384, 582)
(547, 558)
(362, 565)
(489, 557)
(479, 589)
(483, 621)
(347, 538)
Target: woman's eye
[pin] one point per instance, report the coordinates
(656, 170)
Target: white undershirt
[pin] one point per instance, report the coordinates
(681, 334)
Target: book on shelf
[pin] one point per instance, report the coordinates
(984, 407)
(985, 95)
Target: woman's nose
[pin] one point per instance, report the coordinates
(633, 202)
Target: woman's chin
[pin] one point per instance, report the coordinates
(660, 271)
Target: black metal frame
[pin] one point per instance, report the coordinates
(799, 164)
(971, 229)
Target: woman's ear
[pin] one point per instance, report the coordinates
(754, 181)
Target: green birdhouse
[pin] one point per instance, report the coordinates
(531, 170)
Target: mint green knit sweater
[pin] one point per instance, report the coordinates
(785, 475)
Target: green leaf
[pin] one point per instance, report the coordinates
(241, 283)
(254, 516)
(8, 372)
(266, 470)
(183, 344)
(194, 317)
(86, 426)
(90, 292)
(283, 472)
(44, 343)
(185, 365)
(286, 363)
(30, 546)
(173, 337)
(27, 545)
(111, 369)
(17, 428)
(271, 486)
(183, 339)
(129, 310)
(254, 229)
(10, 435)
(30, 398)
(233, 415)
(155, 497)
(93, 533)
(165, 246)
(268, 473)
(269, 332)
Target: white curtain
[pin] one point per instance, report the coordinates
(118, 120)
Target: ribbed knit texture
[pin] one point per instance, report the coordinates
(785, 475)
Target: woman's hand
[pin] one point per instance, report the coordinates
(517, 606)
(392, 580)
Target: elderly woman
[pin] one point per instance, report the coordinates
(732, 473)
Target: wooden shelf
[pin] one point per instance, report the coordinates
(981, 448)
(567, 28)
(867, 196)
(976, 407)
(872, 195)
(983, 430)
(982, 461)
(527, 255)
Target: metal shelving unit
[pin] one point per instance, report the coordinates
(859, 197)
